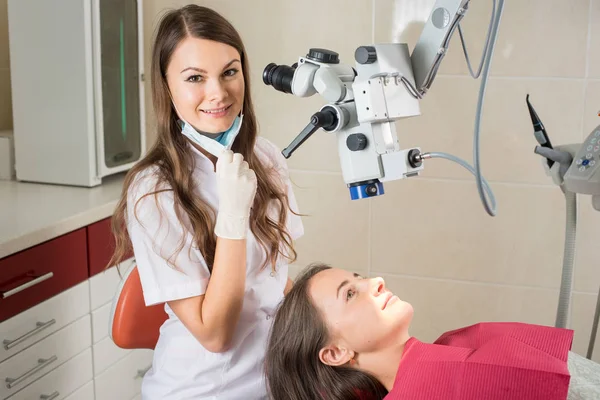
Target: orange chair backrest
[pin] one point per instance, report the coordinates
(133, 325)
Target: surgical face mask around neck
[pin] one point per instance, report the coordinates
(213, 143)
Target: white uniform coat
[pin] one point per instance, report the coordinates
(182, 368)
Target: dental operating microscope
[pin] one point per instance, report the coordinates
(385, 85)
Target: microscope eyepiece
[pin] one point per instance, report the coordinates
(279, 76)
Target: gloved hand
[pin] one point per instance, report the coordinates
(236, 186)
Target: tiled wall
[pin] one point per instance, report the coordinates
(430, 237)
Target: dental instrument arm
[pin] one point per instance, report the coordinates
(583, 176)
(563, 158)
(384, 86)
(576, 169)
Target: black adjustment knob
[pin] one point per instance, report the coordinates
(323, 56)
(414, 158)
(356, 142)
(365, 55)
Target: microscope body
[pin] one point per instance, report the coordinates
(380, 99)
(364, 103)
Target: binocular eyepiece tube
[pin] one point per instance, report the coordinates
(279, 76)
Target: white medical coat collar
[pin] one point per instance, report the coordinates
(202, 161)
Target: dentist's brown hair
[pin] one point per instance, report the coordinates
(174, 163)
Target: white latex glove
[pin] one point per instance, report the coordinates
(236, 185)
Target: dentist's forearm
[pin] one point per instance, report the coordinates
(225, 293)
(213, 316)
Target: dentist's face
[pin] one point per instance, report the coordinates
(206, 82)
(360, 313)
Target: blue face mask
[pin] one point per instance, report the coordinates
(214, 144)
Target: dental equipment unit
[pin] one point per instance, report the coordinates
(385, 86)
(575, 169)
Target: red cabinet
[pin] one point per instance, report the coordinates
(33, 275)
(101, 246)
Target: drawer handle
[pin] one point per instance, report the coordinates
(39, 326)
(49, 396)
(33, 282)
(42, 363)
(142, 372)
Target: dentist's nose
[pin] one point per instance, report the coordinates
(216, 90)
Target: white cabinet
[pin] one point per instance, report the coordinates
(123, 380)
(107, 353)
(86, 392)
(118, 372)
(60, 349)
(89, 94)
(40, 321)
(44, 356)
(104, 284)
(100, 319)
(63, 382)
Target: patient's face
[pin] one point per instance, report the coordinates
(359, 312)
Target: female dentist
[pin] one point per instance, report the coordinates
(210, 215)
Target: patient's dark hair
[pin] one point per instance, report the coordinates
(293, 368)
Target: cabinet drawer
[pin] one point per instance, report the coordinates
(29, 365)
(100, 322)
(101, 245)
(103, 285)
(84, 393)
(38, 273)
(106, 353)
(63, 381)
(124, 379)
(31, 326)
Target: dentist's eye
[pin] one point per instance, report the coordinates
(194, 79)
(230, 72)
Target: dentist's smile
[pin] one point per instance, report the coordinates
(217, 112)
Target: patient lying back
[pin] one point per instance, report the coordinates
(339, 336)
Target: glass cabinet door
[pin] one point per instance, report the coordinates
(120, 81)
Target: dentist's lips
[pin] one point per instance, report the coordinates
(217, 112)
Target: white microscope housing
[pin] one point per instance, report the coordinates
(384, 86)
(364, 103)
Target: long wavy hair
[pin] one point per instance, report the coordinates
(174, 163)
(292, 365)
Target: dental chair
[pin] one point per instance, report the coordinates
(133, 325)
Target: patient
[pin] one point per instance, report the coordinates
(338, 336)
